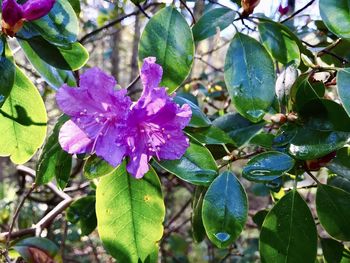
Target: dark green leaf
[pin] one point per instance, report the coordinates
(198, 230)
(54, 162)
(207, 25)
(289, 232)
(259, 217)
(76, 6)
(335, 14)
(333, 210)
(198, 119)
(225, 210)
(339, 182)
(60, 26)
(238, 128)
(341, 163)
(343, 80)
(279, 41)
(96, 167)
(210, 135)
(168, 37)
(130, 213)
(22, 121)
(332, 250)
(268, 166)
(197, 166)
(67, 58)
(7, 78)
(250, 81)
(263, 140)
(37, 249)
(82, 211)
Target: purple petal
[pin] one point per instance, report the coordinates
(35, 9)
(73, 140)
(138, 165)
(109, 149)
(12, 12)
(151, 74)
(175, 146)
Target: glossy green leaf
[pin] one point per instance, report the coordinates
(278, 40)
(259, 217)
(198, 119)
(209, 23)
(268, 166)
(263, 140)
(53, 76)
(22, 121)
(250, 81)
(198, 231)
(341, 163)
(168, 37)
(333, 210)
(238, 128)
(343, 80)
(196, 166)
(335, 15)
(332, 250)
(339, 182)
(53, 161)
(95, 167)
(37, 249)
(60, 26)
(82, 211)
(76, 6)
(130, 213)
(310, 144)
(289, 232)
(7, 78)
(67, 58)
(210, 135)
(324, 115)
(225, 210)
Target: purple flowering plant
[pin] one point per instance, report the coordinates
(106, 122)
(14, 14)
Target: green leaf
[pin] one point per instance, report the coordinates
(76, 6)
(238, 128)
(341, 163)
(22, 121)
(279, 41)
(332, 250)
(7, 78)
(168, 37)
(335, 15)
(259, 217)
(37, 249)
(207, 25)
(263, 139)
(250, 81)
(343, 80)
(53, 161)
(53, 76)
(210, 135)
(95, 167)
(67, 58)
(82, 211)
(198, 231)
(339, 182)
(289, 232)
(268, 166)
(225, 210)
(309, 144)
(130, 213)
(60, 26)
(198, 119)
(333, 210)
(197, 166)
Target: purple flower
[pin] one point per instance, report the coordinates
(283, 10)
(14, 14)
(105, 121)
(98, 117)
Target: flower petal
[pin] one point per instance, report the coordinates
(12, 12)
(138, 165)
(175, 146)
(35, 9)
(73, 140)
(151, 75)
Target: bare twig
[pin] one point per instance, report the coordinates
(189, 10)
(298, 11)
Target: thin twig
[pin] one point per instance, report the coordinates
(178, 214)
(142, 11)
(190, 11)
(298, 11)
(312, 176)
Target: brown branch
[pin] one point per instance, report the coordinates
(189, 10)
(298, 11)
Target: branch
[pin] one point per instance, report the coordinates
(189, 10)
(298, 11)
